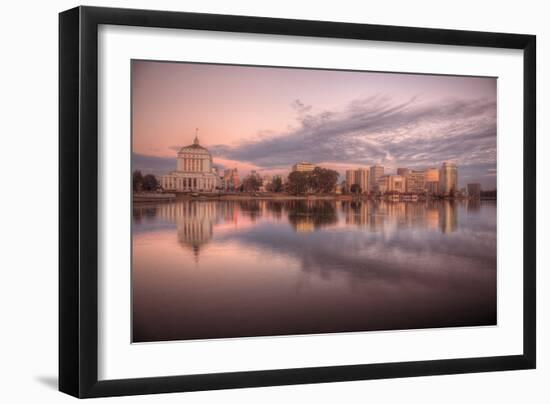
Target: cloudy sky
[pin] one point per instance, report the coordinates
(269, 118)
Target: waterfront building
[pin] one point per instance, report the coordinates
(363, 179)
(474, 191)
(448, 179)
(431, 181)
(303, 166)
(375, 173)
(415, 182)
(396, 183)
(431, 175)
(358, 177)
(194, 171)
(381, 184)
(432, 187)
(350, 179)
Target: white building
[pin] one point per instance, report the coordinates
(303, 166)
(194, 171)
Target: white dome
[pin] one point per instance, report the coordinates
(194, 148)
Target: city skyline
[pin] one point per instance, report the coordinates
(267, 119)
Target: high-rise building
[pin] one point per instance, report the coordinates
(415, 181)
(303, 166)
(350, 179)
(431, 175)
(448, 179)
(431, 181)
(474, 191)
(382, 184)
(376, 171)
(358, 177)
(362, 178)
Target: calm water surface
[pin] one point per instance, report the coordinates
(218, 269)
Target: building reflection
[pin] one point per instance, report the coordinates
(196, 220)
(473, 205)
(448, 218)
(392, 216)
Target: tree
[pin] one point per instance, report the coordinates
(252, 183)
(150, 182)
(355, 189)
(323, 180)
(276, 184)
(137, 181)
(298, 182)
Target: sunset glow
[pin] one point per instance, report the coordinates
(269, 118)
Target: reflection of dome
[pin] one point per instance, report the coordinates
(195, 223)
(194, 231)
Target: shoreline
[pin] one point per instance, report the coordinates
(147, 198)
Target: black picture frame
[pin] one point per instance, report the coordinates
(78, 201)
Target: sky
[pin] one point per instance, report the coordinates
(267, 119)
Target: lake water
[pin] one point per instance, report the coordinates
(219, 269)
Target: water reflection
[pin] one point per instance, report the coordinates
(212, 269)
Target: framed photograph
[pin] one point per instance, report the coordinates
(250, 201)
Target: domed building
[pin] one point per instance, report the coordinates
(194, 171)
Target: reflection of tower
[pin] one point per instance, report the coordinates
(448, 218)
(432, 216)
(377, 216)
(357, 213)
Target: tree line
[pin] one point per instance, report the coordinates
(147, 183)
(320, 180)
